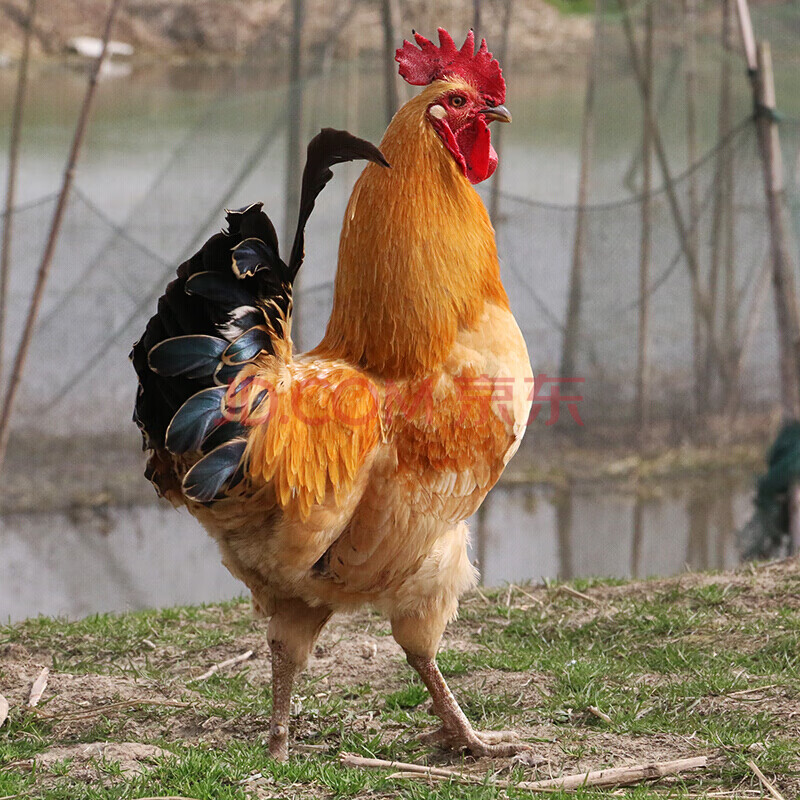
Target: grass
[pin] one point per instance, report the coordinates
(573, 6)
(700, 664)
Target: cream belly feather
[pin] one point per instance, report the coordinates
(397, 540)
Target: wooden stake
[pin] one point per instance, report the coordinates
(13, 166)
(642, 383)
(699, 296)
(667, 85)
(722, 231)
(748, 37)
(701, 351)
(390, 17)
(572, 324)
(294, 153)
(55, 227)
(783, 268)
(477, 20)
(752, 319)
(502, 57)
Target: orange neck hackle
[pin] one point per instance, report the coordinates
(417, 256)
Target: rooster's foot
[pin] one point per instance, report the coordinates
(481, 744)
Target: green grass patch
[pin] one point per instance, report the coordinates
(696, 664)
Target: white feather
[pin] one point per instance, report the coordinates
(229, 329)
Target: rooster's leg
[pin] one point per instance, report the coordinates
(456, 732)
(293, 629)
(420, 638)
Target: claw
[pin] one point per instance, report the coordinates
(483, 744)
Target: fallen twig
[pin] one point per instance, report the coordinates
(602, 778)
(230, 662)
(580, 595)
(530, 596)
(620, 776)
(482, 596)
(3, 710)
(776, 795)
(85, 713)
(37, 690)
(599, 714)
(752, 690)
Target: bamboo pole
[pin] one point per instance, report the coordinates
(494, 204)
(752, 319)
(783, 268)
(759, 64)
(629, 179)
(11, 185)
(477, 20)
(390, 18)
(722, 232)
(55, 227)
(699, 297)
(572, 321)
(701, 351)
(294, 155)
(642, 388)
(748, 37)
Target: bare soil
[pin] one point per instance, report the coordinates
(235, 28)
(357, 651)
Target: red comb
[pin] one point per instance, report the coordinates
(430, 63)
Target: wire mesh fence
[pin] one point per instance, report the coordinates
(113, 259)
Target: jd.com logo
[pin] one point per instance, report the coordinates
(317, 401)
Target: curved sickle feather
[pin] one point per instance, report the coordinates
(327, 148)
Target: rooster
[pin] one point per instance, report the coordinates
(343, 476)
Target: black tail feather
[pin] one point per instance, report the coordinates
(227, 305)
(206, 479)
(327, 148)
(194, 420)
(193, 356)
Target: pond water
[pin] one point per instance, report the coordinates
(121, 559)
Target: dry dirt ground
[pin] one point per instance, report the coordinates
(702, 664)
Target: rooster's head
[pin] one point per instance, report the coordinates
(468, 92)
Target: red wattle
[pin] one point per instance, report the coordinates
(471, 147)
(475, 144)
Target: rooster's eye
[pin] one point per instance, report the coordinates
(457, 101)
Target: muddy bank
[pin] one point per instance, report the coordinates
(234, 29)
